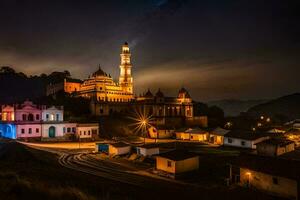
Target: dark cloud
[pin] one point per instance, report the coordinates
(228, 49)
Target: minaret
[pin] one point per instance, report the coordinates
(125, 79)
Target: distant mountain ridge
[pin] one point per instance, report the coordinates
(233, 107)
(287, 106)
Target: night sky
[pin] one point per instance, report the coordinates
(216, 49)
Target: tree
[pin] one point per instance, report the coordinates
(7, 70)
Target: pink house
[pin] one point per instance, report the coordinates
(28, 112)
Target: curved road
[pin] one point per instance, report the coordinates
(109, 170)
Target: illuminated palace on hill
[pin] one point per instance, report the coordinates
(109, 97)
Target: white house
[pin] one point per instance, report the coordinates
(119, 148)
(244, 139)
(87, 130)
(57, 130)
(53, 113)
(26, 130)
(148, 149)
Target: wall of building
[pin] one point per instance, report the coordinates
(187, 165)
(198, 137)
(118, 150)
(147, 152)
(285, 187)
(160, 133)
(87, 131)
(52, 114)
(59, 129)
(23, 130)
(237, 142)
(70, 87)
(162, 164)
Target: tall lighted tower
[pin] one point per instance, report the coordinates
(125, 79)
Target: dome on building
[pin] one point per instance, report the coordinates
(99, 72)
(183, 93)
(159, 94)
(148, 94)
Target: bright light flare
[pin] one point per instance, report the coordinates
(142, 121)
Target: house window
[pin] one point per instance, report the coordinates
(64, 129)
(101, 111)
(68, 129)
(24, 117)
(47, 117)
(275, 180)
(57, 117)
(83, 132)
(89, 132)
(169, 163)
(80, 133)
(229, 140)
(243, 143)
(29, 130)
(37, 130)
(22, 130)
(37, 117)
(73, 129)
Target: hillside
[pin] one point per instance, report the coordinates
(233, 107)
(17, 86)
(287, 107)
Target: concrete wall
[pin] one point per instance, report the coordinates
(285, 187)
(36, 130)
(148, 152)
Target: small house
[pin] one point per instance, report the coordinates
(148, 149)
(160, 133)
(272, 175)
(87, 130)
(275, 147)
(216, 136)
(244, 139)
(193, 134)
(119, 148)
(177, 162)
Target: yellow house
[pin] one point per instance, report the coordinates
(216, 136)
(193, 134)
(177, 162)
(273, 175)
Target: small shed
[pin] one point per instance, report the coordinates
(177, 162)
(119, 148)
(216, 136)
(148, 149)
(275, 147)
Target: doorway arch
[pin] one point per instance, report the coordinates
(51, 132)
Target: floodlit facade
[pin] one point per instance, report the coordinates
(216, 136)
(275, 147)
(30, 121)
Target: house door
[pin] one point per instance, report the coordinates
(52, 132)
